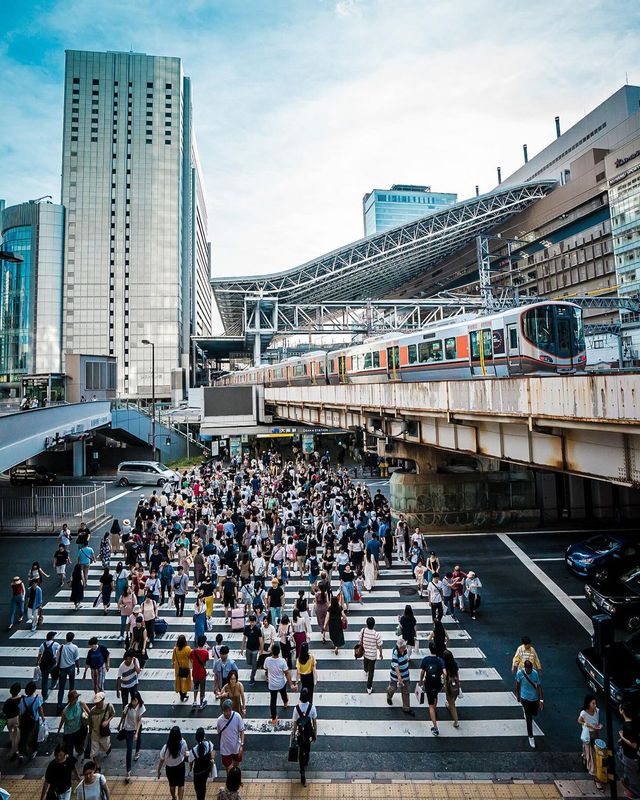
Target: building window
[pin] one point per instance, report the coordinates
(76, 80)
(167, 86)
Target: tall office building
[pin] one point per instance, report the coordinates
(30, 291)
(386, 208)
(137, 257)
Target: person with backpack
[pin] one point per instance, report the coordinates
(31, 717)
(452, 685)
(48, 663)
(201, 763)
(304, 730)
(432, 674)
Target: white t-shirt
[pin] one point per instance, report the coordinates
(174, 761)
(313, 714)
(276, 668)
(91, 791)
(131, 717)
(434, 590)
(230, 730)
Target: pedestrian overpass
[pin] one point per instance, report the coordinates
(586, 425)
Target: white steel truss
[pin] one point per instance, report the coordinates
(383, 263)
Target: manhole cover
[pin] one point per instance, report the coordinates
(407, 592)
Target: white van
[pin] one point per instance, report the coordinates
(145, 472)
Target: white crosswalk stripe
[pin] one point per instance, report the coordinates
(488, 709)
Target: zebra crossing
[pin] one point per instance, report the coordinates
(348, 716)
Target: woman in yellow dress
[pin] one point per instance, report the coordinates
(182, 667)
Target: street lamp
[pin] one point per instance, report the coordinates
(153, 395)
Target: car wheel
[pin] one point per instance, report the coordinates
(160, 482)
(633, 623)
(123, 482)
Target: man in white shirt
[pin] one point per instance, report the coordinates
(304, 730)
(278, 677)
(434, 593)
(372, 642)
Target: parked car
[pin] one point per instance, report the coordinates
(27, 473)
(619, 597)
(603, 556)
(145, 472)
(624, 667)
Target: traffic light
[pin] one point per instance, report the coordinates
(603, 632)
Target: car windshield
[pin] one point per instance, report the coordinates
(161, 466)
(632, 580)
(602, 544)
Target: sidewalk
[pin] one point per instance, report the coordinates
(391, 788)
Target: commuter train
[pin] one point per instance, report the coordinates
(539, 339)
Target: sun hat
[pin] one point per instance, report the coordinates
(98, 697)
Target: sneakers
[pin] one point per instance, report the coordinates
(194, 704)
(203, 704)
(150, 646)
(369, 691)
(128, 778)
(121, 637)
(435, 731)
(389, 701)
(532, 742)
(456, 724)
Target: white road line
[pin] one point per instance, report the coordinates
(576, 612)
(13, 673)
(554, 558)
(111, 499)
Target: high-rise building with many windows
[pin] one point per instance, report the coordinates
(386, 208)
(31, 241)
(137, 256)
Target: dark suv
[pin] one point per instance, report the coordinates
(28, 473)
(619, 597)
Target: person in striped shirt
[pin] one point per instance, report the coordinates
(127, 680)
(372, 641)
(399, 677)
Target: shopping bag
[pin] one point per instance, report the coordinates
(419, 694)
(37, 675)
(43, 731)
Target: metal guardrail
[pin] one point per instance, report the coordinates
(43, 509)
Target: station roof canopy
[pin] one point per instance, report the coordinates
(381, 264)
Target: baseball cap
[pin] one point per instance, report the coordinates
(98, 697)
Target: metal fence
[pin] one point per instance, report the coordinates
(43, 509)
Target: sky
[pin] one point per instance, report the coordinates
(303, 106)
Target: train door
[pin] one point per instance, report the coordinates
(342, 369)
(393, 363)
(481, 353)
(513, 349)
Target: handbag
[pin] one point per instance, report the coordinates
(358, 650)
(105, 729)
(294, 750)
(122, 735)
(344, 622)
(183, 672)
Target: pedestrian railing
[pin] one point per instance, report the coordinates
(43, 509)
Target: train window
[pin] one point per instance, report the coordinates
(299, 370)
(475, 350)
(367, 360)
(376, 358)
(430, 351)
(450, 348)
(412, 352)
(332, 365)
(513, 338)
(320, 367)
(280, 372)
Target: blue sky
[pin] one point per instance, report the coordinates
(302, 106)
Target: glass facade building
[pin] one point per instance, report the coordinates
(387, 208)
(137, 256)
(32, 236)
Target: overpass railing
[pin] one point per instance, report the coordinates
(43, 509)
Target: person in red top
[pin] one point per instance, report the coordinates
(199, 656)
(17, 601)
(457, 586)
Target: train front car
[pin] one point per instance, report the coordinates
(552, 338)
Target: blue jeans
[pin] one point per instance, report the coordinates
(65, 672)
(45, 684)
(16, 609)
(276, 613)
(131, 738)
(123, 623)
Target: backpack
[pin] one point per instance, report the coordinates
(47, 659)
(201, 764)
(314, 567)
(305, 728)
(433, 673)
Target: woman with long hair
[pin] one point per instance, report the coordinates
(122, 580)
(106, 589)
(322, 607)
(334, 622)
(77, 585)
(440, 638)
(172, 757)
(182, 667)
(126, 604)
(452, 685)
(105, 549)
(233, 690)
(369, 571)
(115, 532)
(301, 629)
(408, 627)
(131, 724)
(201, 760)
(307, 670)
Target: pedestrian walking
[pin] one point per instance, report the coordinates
(126, 604)
(60, 563)
(105, 550)
(322, 608)
(301, 629)
(78, 583)
(306, 667)
(627, 750)
(31, 718)
(179, 589)
(73, 723)
(149, 611)
(16, 609)
(199, 657)
(114, 533)
(252, 645)
(86, 557)
(407, 624)
(387, 547)
(138, 640)
(230, 728)
(399, 677)
(181, 663)
(93, 785)
(47, 663)
(434, 594)
(529, 695)
(34, 604)
(589, 721)
(452, 688)
(233, 690)
(127, 678)
(370, 570)
(59, 775)
(131, 725)
(448, 595)
(11, 712)
(275, 601)
(420, 574)
(304, 730)
(100, 717)
(68, 666)
(106, 590)
(36, 573)
(432, 676)
(472, 593)
(230, 791)
(201, 763)
(372, 643)
(222, 667)
(199, 618)
(439, 637)
(278, 678)
(525, 652)
(458, 578)
(335, 623)
(400, 536)
(99, 662)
